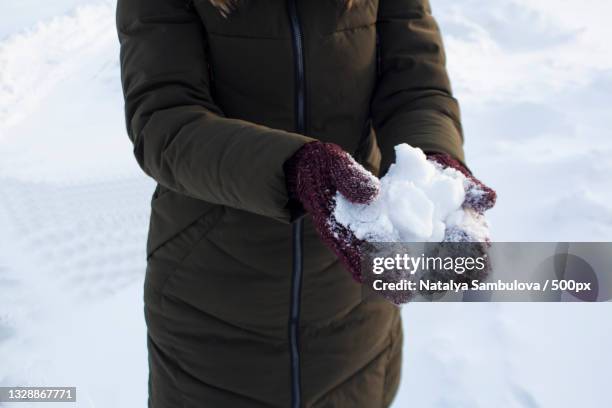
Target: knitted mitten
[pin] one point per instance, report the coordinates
(478, 196)
(314, 174)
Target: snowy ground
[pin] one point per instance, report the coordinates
(535, 81)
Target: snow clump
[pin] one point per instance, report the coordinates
(419, 201)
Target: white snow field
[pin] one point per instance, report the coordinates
(535, 81)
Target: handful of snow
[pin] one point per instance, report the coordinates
(419, 201)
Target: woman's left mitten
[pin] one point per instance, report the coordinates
(478, 196)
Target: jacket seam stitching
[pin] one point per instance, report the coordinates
(247, 37)
(350, 29)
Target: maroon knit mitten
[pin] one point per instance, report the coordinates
(478, 196)
(458, 243)
(314, 174)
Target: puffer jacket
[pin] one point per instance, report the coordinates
(245, 307)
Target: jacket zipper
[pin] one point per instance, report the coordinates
(298, 226)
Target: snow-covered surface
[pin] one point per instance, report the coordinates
(534, 78)
(418, 201)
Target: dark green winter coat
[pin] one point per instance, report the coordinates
(215, 105)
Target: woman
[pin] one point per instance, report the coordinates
(232, 108)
